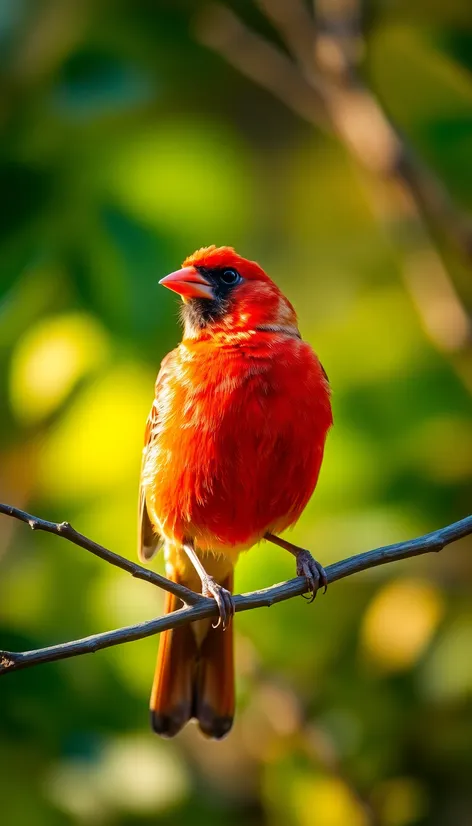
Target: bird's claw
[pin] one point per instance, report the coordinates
(313, 572)
(224, 600)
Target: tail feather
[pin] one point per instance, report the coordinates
(171, 696)
(214, 685)
(194, 677)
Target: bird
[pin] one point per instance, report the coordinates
(233, 448)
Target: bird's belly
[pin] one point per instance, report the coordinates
(236, 473)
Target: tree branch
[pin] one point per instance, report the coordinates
(199, 607)
(66, 531)
(406, 196)
(261, 61)
(296, 27)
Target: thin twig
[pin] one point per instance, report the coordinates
(203, 607)
(218, 28)
(296, 27)
(66, 531)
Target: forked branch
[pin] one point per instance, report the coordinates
(318, 77)
(195, 605)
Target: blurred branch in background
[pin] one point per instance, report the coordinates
(125, 144)
(196, 606)
(321, 83)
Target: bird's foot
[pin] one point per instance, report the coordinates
(224, 600)
(313, 572)
(307, 566)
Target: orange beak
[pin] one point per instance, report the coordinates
(188, 283)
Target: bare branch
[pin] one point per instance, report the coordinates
(202, 607)
(406, 196)
(261, 61)
(66, 531)
(339, 45)
(296, 26)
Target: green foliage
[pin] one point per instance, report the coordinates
(124, 145)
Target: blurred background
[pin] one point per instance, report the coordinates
(131, 133)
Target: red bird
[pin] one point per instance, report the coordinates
(233, 448)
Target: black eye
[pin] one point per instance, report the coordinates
(230, 277)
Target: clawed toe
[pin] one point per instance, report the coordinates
(224, 600)
(314, 573)
(307, 566)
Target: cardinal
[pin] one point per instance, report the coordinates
(233, 448)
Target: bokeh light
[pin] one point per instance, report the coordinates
(132, 133)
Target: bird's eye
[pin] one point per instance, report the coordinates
(230, 277)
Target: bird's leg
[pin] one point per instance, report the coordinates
(211, 588)
(307, 566)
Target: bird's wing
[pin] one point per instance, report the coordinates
(149, 541)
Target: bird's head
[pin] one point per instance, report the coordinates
(223, 291)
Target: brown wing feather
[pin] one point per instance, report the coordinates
(149, 541)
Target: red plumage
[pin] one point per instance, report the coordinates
(234, 444)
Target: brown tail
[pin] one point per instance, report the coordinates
(194, 677)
